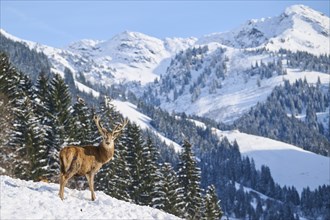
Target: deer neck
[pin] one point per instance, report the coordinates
(107, 151)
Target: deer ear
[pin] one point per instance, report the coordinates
(104, 131)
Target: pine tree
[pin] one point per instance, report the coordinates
(189, 176)
(212, 205)
(82, 121)
(58, 106)
(136, 162)
(42, 114)
(151, 181)
(26, 137)
(8, 80)
(108, 112)
(170, 195)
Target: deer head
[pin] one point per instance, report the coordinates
(109, 137)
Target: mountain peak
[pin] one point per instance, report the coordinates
(301, 10)
(290, 30)
(307, 14)
(132, 35)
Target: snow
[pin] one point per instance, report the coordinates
(298, 28)
(130, 111)
(38, 200)
(237, 95)
(81, 87)
(289, 165)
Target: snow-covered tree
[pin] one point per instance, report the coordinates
(170, 195)
(82, 124)
(151, 173)
(136, 162)
(212, 209)
(190, 176)
(58, 105)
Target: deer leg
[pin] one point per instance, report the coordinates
(90, 178)
(64, 177)
(62, 185)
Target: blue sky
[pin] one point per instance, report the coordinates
(58, 23)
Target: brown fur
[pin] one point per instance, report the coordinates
(84, 159)
(87, 160)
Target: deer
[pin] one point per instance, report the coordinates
(87, 160)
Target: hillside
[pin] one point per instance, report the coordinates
(307, 170)
(289, 165)
(38, 200)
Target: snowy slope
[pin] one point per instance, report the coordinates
(238, 93)
(130, 111)
(289, 165)
(38, 200)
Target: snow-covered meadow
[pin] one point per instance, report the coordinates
(38, 200)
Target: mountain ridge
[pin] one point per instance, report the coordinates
(274, 33)
(135, 57)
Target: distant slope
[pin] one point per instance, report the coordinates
(130, 111)
(38, 200)
(288, 164)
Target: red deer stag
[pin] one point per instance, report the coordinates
(87, 160)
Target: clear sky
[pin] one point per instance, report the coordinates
(58, 23)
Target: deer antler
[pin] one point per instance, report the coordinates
(102, 130)
(117, 130)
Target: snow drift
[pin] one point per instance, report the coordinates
(38, 200)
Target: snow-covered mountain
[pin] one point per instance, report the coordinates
(38, 200)
(213, 83)
(129, 56)
(132, 56)
(298, 28)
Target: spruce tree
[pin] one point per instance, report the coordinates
(58, 106)
(41, 96)
(136, 162)
(151, 173)
(170, 197)
(212, 209)
(82, 124)
(189, 176)
(26, 137)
